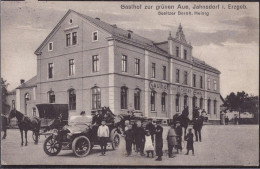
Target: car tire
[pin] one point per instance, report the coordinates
(51, 146)
(81, 146)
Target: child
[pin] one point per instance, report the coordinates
(148, 144)
(189, 139)
(103, 134)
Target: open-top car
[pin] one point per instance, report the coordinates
(80, 136)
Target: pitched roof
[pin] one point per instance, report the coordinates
(200, 63)
(29, 83)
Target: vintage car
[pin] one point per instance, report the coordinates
(79, 135)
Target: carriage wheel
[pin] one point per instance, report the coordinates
(81, 146)
(51, 146)
(34, 136)
(115, 141)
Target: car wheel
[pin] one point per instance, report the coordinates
(51, 146)
(81, 146)
(115, 141)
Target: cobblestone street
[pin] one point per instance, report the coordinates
(221, 145)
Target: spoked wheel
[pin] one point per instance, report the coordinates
(81, 146)
(115, 141)
(34, 136)
(51, 146)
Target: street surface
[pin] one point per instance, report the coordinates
(221, 145)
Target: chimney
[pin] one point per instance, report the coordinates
(97, 18)
(170, 44)
(22, 81)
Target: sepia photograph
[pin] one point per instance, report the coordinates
(128, 83)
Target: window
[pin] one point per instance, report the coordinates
(95, 63)
(129, 36)
(27, 96)
(185, 100)
(13, 104)
(123, 97)
(74, 38)
(164, 101)
(153, 94)
(70, 21)
(209, 101)
(194, 80)
(137, 99)
(215, 106)
(71, 67)
(50, 46)
(137, 66)
(177, 51)
(72, 99)
(185, 54)
(95, 36)
(68, 39)
(177, 76)
(201, 103)
(177, 103)
(124, 63)
(215, 85)
(209, 83)
(185, 78)
(164, 72)
(51, 97)
(34, 111)
(194, 102)
(153, 70)
(96, 98)
(50, 70)
(201, 82)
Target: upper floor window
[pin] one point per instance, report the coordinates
(70, 21)
(96, 98)
(137, 66)
(194, 80)
(124, 63)
(164, 101)
(74, 38)
(215, 85)
(201, 82)
(68, 39)
(51, 97)
(208, 83)
(124, 91)
(185, 54)
(95, 63)
(177, 51)
(185, 78)
(71, 67)
(95, 36)
(72, 99)
(137, 99)
(177, 76)
(50, 46)
(164, 72)
(50, 70)
(153, 70)
(153, 95)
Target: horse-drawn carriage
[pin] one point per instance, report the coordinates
(78, 135)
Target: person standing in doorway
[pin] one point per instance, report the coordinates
(158, 140)
(103, 134)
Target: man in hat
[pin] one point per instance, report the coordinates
(178, 130)
(139, 133)
(158, 140)
(151, 128)
(103, 134)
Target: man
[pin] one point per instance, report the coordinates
(151, 128)
(129, 138)
(185, 112)
(171, 139)
(197, 126)
(179, 136)
(158, 140)
(97, 118)
(139, 138)
(103, 134)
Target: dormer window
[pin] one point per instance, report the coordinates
(95, 36)
(50, 46)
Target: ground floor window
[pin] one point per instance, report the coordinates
(153, 94)
(185, 100)
(209, 102)
(194, 102)
(164, 101)
(177, 103)
(96, 98)
(51, 97)
(215, 106)
(201, 103)
(72, 99)
(124, 97)
(137, 99)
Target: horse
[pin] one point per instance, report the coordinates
(4, 125)
(25, 123)
(184, 121)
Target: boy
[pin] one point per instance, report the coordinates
(189, 139)
(103, 134)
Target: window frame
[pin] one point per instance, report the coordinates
(95, 63)
(72, 70)
(177, 51)
(185, 76)
(96, 98)
(215, 107)
(68, 39)
(177, 79)
(51, 46)
(163, 101)
(209, 83)
(52, 70)
(137, 66)
(201, 82)
(177, 103)
(137, 99)
(209, 106)
(194, 80)
(185, 54)
(72, 105)
(72, 35)
(215, 85)
(124, 63)
(201, 103)
(153, 75)
(164, 73)
(123, 97)
(93, 36)
(51, 97)
(153, 100)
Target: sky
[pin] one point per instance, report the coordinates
(227, 39)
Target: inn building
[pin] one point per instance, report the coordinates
(88, 63)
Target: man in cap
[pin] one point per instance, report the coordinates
(151, 128)
(158, 140)
(179, 136)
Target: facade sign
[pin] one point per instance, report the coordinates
(156, 85)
